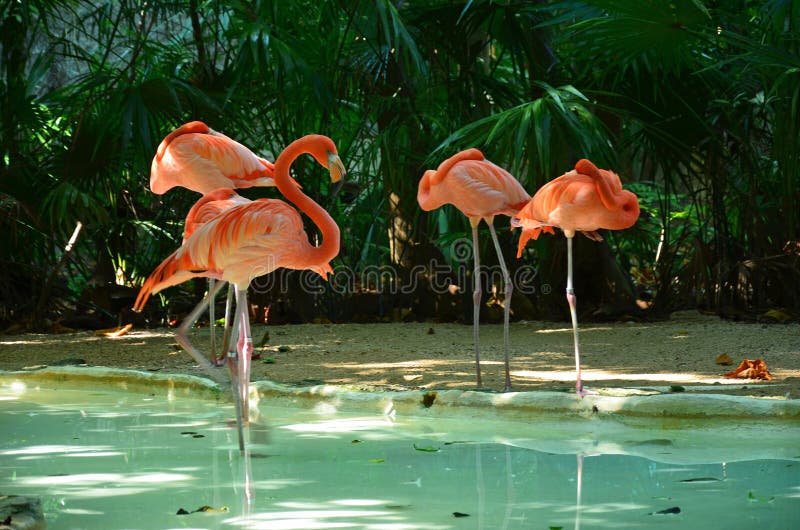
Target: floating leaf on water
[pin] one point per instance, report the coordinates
(397, 506)
(654, 441)
(209, 509)
(268, 360)
(188, 432)
(669, 511)
(555, 528)
(376, 460)
(198, 436)
(677, 388)
(752, 498)
(356, 441)
(700, 480)
(426, 448)
(181, 511)
(283, 349)
(428, 399)
(459, 514)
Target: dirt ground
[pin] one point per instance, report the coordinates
(680, 351)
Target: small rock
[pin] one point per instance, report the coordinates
(70, 361)
(21, 513)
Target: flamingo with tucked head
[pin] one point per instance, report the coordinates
(197, 157)
(582, 200)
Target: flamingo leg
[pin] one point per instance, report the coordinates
(572, 300)
(245, 347)
(226, 337)
(211, 324)
(476, 299)
(182, 334)
(578, 487)
(509, 288)
(233, 359)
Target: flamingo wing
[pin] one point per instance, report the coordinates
(478, 188)
(241, 243)
(209, 206)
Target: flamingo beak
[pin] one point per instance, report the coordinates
(336, 167)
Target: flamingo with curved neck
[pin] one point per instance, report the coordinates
(250, 240)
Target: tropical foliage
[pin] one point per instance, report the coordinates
(694, 103)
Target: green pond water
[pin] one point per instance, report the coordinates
(103, 459)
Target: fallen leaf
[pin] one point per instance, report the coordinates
(426, 448)
(459, 514)
(669, 511)
(114, 332)
(723, 359)
(209, 509)
(376, 460)
(752, 498)
(748, 369)
(776, 315)
(204, 509)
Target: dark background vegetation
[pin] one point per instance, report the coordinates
(696, 104)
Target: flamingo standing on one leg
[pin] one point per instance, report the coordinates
(480, 190)
(253, 239)
(583, 200)
(206, 208)
(196, 157)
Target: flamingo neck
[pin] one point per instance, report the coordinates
(607, 184)
(329, 248)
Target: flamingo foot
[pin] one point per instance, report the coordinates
(583, 392)
(219, 362)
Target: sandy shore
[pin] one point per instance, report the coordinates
(678, 353)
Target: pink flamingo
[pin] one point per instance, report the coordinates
(480, 190)
(201, 159)
(582, 200)
(252, 239)
(196, 157)
(206, 208)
